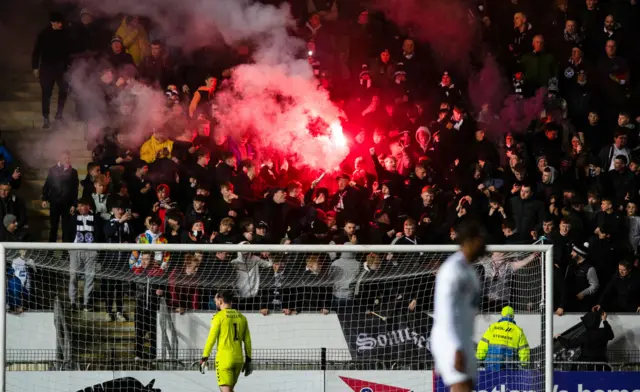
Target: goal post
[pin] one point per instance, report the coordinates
(346, 319)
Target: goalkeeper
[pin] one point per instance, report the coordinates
(501, 342)
(230, 329)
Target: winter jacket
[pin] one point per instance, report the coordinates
(150, 148)
(61, 185)
(539, 68)
(14, 205)
(52, 50)
(622, 294)
(580, 278)
(527, 214)
(593, 342)
(135, 40)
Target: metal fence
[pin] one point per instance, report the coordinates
(271, 359)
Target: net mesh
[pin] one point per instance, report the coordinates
(346, 311)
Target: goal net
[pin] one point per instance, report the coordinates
(121, 317)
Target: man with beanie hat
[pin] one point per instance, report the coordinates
(10, 232)
(118, 57)
(49, 61)
(581, 283)
(89, 37)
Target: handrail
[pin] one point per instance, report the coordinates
(266, 248)
(169, 346)
(579, 364)
(63, 338)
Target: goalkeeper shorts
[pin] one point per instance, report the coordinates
(228, 372)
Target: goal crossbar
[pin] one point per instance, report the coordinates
(268, 248)
(547, 273)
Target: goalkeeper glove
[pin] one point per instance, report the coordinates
(247, 368)
(203, 364)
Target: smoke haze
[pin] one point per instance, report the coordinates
(454, 38)
(275, 98)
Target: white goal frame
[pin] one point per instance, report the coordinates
(547, 274)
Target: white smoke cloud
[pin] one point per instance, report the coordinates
(258, 90)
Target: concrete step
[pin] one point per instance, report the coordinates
(24, 111)
(30, 105)
(19, 87)
(103, 353)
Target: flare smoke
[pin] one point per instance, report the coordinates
(276, 97)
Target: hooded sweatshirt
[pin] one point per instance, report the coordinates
(593, 342)
(344, 272)
(247, 267)
(150, 148)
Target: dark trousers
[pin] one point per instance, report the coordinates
(57, 212)
(145, 323)
(50, 76)
(114, 294)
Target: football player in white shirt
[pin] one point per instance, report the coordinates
(457, 297)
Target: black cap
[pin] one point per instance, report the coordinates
(84, 201)
(200, 198)
(319, 227)
(117, 202)
(56, 17)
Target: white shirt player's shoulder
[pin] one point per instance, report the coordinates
(452, 267)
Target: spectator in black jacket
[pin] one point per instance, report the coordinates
(580, 284)
(155, 70)
(118, 230)
(527, 212)
(89, 37)
(314, 292)
(88, 188)
(274, 211)
(119, 58)
(346, 201)
(59, 193)
(622, 294)
(10, 231)
(622, 181)
(12, 204)
(617, 148)
(9, 174)
(593, 342)
(49, 61)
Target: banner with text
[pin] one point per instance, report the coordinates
(401, 338)
(532, 381)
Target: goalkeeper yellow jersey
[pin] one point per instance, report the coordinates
(230, 329)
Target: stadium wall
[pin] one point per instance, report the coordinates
(315, 331)
(300, 331)
(308, 381)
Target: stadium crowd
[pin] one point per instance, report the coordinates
(424, 156)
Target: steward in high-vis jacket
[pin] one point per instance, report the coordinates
(503, 344)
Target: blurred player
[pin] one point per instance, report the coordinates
(457, 297)
(230, 329)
